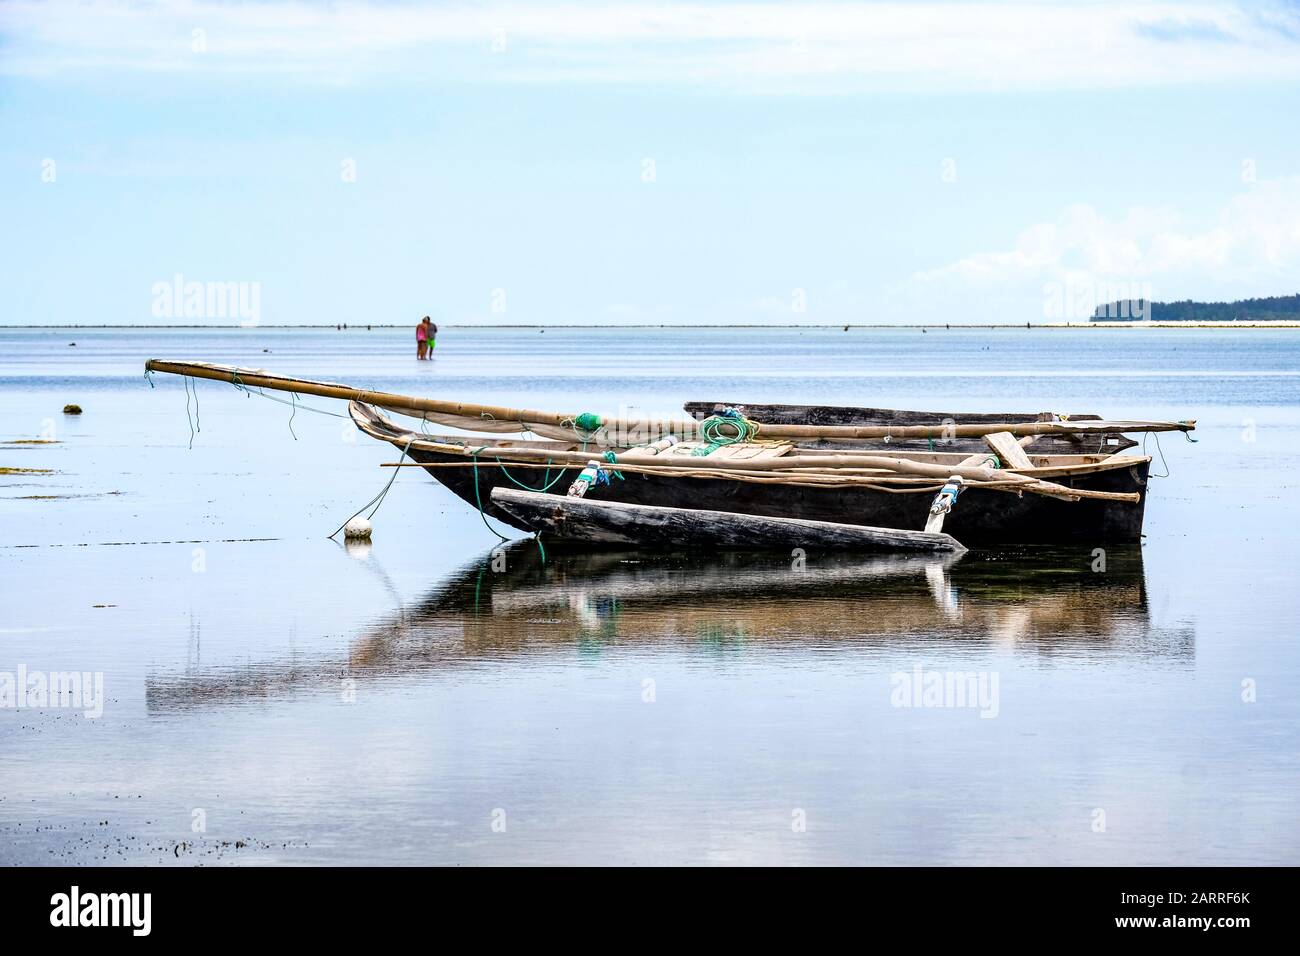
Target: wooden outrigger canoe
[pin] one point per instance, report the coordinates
(840, 474)
(982, 517)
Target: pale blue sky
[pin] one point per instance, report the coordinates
(874, 163)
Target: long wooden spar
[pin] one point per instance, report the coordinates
(1015, 484)
(406, 403)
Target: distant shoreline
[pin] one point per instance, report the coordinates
(951, 327)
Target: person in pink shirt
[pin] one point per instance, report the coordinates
(422, 338)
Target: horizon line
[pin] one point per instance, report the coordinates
(947, 326)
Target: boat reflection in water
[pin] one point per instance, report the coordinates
(517, 604)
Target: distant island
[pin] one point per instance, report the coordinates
(1278, 308)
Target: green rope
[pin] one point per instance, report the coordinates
(1156, 436)
(585, 426)
(295, 403)
(613, 460)
(194, 423)
(546, 486)
(479, 501)
(714, 431)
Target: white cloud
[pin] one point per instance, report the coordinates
(1251, 248)
(814, 46)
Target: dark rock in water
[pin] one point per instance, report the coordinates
(72, 409)
(72, 345)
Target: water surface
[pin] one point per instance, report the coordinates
(421, 701)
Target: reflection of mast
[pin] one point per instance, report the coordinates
(194, 648)
(1011, 625)
(945, 596)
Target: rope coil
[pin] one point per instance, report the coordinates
(729, 428)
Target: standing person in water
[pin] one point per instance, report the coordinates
(422, 338)
(431, 336)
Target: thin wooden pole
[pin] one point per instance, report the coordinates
(1017, 484)
(780, 463)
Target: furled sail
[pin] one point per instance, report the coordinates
(621, 432)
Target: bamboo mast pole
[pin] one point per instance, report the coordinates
(258, 379)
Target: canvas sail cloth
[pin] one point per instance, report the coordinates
(500, 426)
(613, 436)
(591, 430)
(579, 428)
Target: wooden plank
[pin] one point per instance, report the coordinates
(617, 522)
(741, 451)
(1008, 449)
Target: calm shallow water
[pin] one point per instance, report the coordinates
(324, 705)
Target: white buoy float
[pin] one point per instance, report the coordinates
(357, 528)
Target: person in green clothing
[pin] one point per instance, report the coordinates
(430, 332)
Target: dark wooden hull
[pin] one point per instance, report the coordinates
(981, 517)
(1108, 443)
